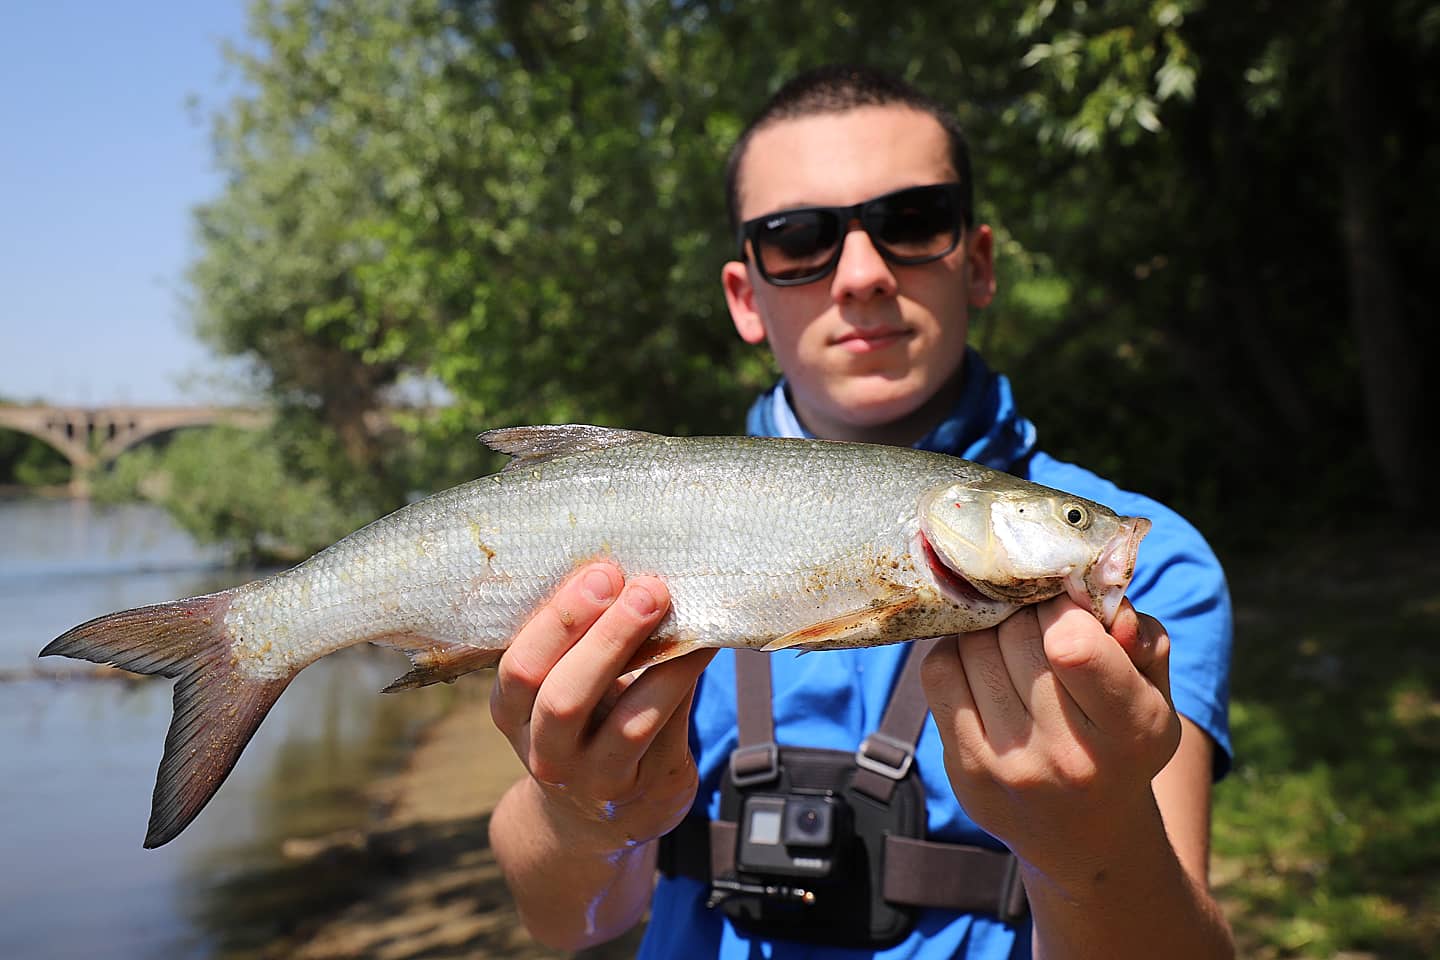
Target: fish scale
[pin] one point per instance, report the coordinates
(767, 543)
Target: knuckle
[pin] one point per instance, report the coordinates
(1076, 650)
(516, 675)
(964, 757)
(635, 725)
(611, 642)
(546, 770)
(1022, 623)
(1076, 768)
(580, 600)
(500, 712)
(560, 706)
(1170, 732)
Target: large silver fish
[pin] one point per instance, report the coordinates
(763, 543)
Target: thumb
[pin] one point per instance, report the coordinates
(1144, 640)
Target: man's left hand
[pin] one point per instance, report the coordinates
(1054, 728)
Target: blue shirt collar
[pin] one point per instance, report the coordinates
(984, 425)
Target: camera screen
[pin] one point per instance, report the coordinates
(765, 826)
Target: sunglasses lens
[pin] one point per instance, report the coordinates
(915, 225)
(797, 244)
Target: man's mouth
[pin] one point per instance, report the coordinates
(868, 341)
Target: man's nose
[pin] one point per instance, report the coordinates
(861, 273)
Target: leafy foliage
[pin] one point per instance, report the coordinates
(1324, 831)
(512, 212)
(232, 486)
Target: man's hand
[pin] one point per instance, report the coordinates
(1053, 730)
(609, 753)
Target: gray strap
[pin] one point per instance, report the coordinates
(917, 873)
(756, 758)
(950, 876)
(886, 755)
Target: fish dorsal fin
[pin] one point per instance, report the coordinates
(537, 444)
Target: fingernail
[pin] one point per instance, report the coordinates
(639, 600)
(597, 586)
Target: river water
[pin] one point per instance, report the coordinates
(78, 758)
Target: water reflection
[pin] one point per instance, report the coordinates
(80, 760)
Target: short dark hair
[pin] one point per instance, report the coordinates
(835, 88)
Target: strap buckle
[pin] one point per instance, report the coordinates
(888, 756)
(755, 763)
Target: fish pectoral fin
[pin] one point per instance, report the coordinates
(854, 629)
(537, 444)
(436, 661)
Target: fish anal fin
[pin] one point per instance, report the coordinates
(659, 649)
(879, 622)
(530, 445)
(436, 661)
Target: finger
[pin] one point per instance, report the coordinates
(634, 724)
(1002, 710)
(1145, 642)
(666, 748)
(952, 703)
(552, 630)
(1149, 648)
(1022, 644)
(1096, 671)
(566, 703)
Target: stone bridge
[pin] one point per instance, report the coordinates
(91, 437)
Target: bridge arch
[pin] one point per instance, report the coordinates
(91, 437)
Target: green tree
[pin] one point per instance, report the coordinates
(1211, 258)
(232, 486)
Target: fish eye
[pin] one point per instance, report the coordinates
(1076, 515)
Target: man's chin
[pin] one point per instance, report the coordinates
(887, 415)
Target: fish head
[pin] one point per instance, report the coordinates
(1030, 543)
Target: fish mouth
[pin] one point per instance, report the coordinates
(1102, 587)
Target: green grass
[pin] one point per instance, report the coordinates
(1327, 832)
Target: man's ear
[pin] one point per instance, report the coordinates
(980, 266)
(740, 297)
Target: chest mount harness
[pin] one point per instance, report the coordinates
(828, 847)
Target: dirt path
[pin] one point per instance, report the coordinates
(433, 889)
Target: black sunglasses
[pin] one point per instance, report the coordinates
(908, 227)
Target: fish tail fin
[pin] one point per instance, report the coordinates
(217, 708)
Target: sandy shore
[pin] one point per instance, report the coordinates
(431, 887)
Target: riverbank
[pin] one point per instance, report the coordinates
(430, 886)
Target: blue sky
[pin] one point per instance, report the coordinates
(102, 158)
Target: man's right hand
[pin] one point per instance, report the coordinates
(609, 753)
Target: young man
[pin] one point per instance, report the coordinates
(861, 262)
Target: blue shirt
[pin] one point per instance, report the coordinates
(835, 699)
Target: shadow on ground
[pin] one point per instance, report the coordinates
(420, 892)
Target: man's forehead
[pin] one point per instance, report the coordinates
(841, 157)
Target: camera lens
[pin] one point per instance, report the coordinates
(809, 821)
